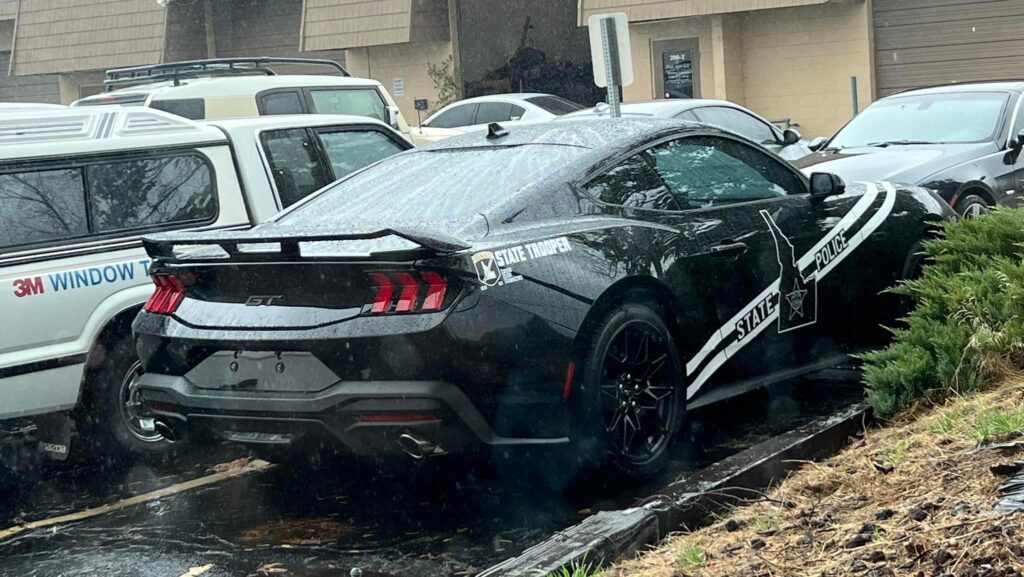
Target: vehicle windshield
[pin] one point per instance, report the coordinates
(947, 118)
(554, 104)
(434, 185)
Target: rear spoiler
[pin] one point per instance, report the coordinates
(162, 246)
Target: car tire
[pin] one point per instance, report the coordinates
(971, 206)
(632, 401)
(108, 417)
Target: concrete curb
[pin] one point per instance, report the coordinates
(686, 504)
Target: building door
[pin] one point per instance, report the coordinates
(676, 68)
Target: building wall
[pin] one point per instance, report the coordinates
(643, 34)
(797, 63)
(42, 88)
(90, 36)
(406, 61)
(265, 28)
(333, 24)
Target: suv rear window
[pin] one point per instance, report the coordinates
(41, 206)
(356, 101)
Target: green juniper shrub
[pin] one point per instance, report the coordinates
(967, 326)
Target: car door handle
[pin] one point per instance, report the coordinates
(729, 248)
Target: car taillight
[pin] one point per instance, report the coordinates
(169, 293)
(405, 292)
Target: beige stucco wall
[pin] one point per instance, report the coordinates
(782, 63)
(406, 61)
(797, 62)
(641, 35)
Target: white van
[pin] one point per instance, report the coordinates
(79, 188)
(245, 87)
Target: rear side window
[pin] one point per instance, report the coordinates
(357, 101)
(119, 195)
(191, 108)
(455, 117)
(351, 150)
(295, 164)
(493, 112)
(554, 104)
(281, 103)
(634, 184)
(41, 206)
(150, 192)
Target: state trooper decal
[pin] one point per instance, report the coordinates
(791, 301)
(798, 294)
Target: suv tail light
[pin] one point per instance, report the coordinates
(169, 293)
(406, 292)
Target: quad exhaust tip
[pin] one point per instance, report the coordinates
(419, 449)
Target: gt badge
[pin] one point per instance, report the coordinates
(486, 268)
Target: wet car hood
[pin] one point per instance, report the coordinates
(910, 164)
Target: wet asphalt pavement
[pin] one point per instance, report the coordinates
(445, 519)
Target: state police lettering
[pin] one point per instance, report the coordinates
(492, 267)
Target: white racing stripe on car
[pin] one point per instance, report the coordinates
(851, 217)
(854, 214)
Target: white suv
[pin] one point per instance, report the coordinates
(78, 189)
(246, 87)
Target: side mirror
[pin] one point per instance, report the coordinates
(393, 113)
(818, 143)
(790, 136)
(1017, 142)
(825, 184)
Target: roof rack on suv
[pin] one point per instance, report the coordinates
(178, 71)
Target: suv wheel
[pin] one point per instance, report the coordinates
(632, 386)
(111, 413)
(971, 206)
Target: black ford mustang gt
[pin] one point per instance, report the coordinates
(542, 285)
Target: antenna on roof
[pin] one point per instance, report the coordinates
(495, 130)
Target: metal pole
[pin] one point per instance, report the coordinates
(611, 59)
(853, 95)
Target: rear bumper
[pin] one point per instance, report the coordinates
(366, 417)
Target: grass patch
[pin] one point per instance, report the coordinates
(996, 423)
(577, 569)
(897, 454)
(767, 524)
(944, 424)
(691, 556)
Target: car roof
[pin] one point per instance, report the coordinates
(597, 134)
(987, 86)
(507, 96)
(234, 86)
(663, 107)
(58, 133)
(293, 120)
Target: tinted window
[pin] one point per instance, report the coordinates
(635, 184)
(554, 104)
(739, 122)
(192, 108)
(356, 101)
(708, 171)
(455, 117)
(430, 186)
(493, 112)
(517, 113)
(349, 150)
(150, 192)
(295, 164)
(41, 206)
(281, 103)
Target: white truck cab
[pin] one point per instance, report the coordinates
(79, 188)
(245, 87)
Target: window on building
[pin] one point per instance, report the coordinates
(739, 122)
(289, 102)
(455, 117)
(708, 171)
(356, 101)
(351, 150)
(150, 192)
(635, 184)
(295, 164)
(41, 206)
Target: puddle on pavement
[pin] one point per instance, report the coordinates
(325, 522)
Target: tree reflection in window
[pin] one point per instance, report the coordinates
(634, 184)
(41, 206)
(150, 192)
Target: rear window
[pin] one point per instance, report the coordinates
(41, 206)
(191, 108)
(356, 101)
(555, 104)
(435, 185)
